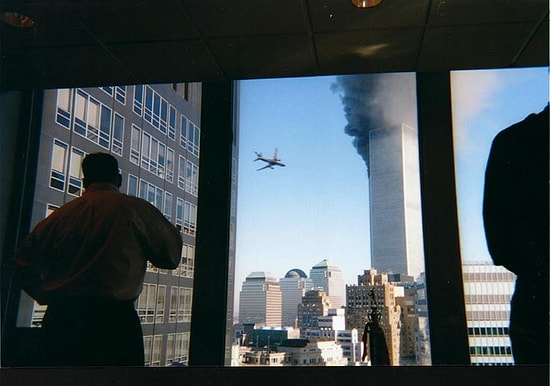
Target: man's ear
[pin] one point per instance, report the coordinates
(119, 180)
(84, 183)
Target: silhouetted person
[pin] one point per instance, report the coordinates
(515, 213)
(374, 339)
(87, 262)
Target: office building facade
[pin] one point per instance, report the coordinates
(293, 287)
(395, 211)
(488, 290)
(154, 132)
(329, 278)
(374, 289)
(260, 300)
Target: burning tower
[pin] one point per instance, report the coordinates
(381, 116)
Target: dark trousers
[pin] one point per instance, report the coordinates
(91, 332)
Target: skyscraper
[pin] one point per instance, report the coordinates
(260, 300)
(153, 131)
(293, 286)
(395, 211)
(329, 278)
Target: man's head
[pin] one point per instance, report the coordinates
(100, 167)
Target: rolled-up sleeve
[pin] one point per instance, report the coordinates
(160, 239)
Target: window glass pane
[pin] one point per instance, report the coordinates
(329, 217)
(148, 172)
(484, 103)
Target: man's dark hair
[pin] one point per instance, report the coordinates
(100, 167)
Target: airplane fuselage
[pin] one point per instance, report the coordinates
(270, 161)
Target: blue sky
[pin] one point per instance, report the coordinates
(317, 206)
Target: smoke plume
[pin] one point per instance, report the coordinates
(376, 101)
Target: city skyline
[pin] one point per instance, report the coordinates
(317, 206)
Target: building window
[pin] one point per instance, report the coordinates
(193, 135)
(118, 135)
(190, 219)
(185, 301)
(170, 345)
(179, 213)
(148, 344)
(146, 303)
(152, 194)
(187, 265)
(183, 132)
(63, 116)
(80, 112)
(157, 350)
(181, 172)
(132, 185)
(169, 165)
(120, 94)
(163, 124)
(145, 149)
(168, 205)
(108, 90)
(192, 178)
(58, 171)
(105, 127)
(138, 100)
(75, 180)
(172, 123)
(135, 145)
(174, 296)
(161, 304)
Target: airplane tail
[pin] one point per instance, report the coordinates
(258, 155)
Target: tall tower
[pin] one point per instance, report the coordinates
(293, 287)
(395, 211)
(260, 300)
(329, 278)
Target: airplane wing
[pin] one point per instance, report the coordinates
(265, 167)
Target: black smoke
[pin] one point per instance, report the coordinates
(376, 101)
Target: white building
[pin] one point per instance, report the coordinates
(487, 291)
(260, 300)
(293, 287)
(305, 352)
(329, 278)
(395, 211)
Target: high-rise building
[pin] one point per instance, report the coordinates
(487, 291)
(153, 131)
(395, 212)
(315, 304)
(374, 289)
(329, 278)
(260, 300)
(293, 287)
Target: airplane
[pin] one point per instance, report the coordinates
(270, 161)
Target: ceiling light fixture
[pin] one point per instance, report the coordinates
(17, 20)
(365, 3)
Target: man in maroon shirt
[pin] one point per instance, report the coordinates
(87, 262)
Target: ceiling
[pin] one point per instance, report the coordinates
(99, 42)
